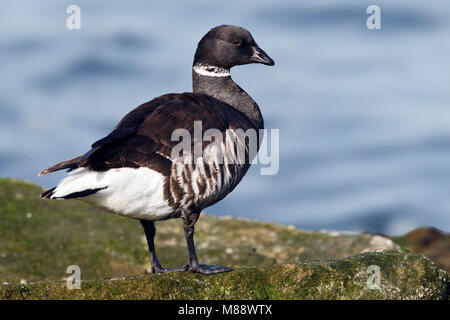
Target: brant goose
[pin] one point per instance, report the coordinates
(133, 172)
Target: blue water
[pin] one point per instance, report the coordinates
(364, 116)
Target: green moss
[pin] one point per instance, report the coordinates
(291, 263)
(39, 238)
(57, 234)
(403, 276)
(429, 241)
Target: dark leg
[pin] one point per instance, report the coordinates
(150, 232)
(193, 265)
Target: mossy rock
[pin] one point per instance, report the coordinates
(39, 239)
(403, 275)
(433, 243)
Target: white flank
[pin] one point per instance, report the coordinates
(211, 71)
(134, 193)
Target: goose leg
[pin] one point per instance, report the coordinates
(193, 264)
(150, 232)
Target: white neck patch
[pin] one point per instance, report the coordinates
(211, 71)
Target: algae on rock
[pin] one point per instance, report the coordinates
(404, 275)
(39, 239)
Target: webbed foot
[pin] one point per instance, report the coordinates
(160, 269)
(208, 269)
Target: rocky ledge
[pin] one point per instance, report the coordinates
(39, 239)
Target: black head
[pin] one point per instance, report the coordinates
(228, 46)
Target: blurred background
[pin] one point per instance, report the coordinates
(364, 116)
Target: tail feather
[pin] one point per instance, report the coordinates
(79, 183)
(68, 164)
(80, 194)
(47, 194)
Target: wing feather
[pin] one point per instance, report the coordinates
(143, 136)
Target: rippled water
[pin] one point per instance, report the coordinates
(364, 116)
